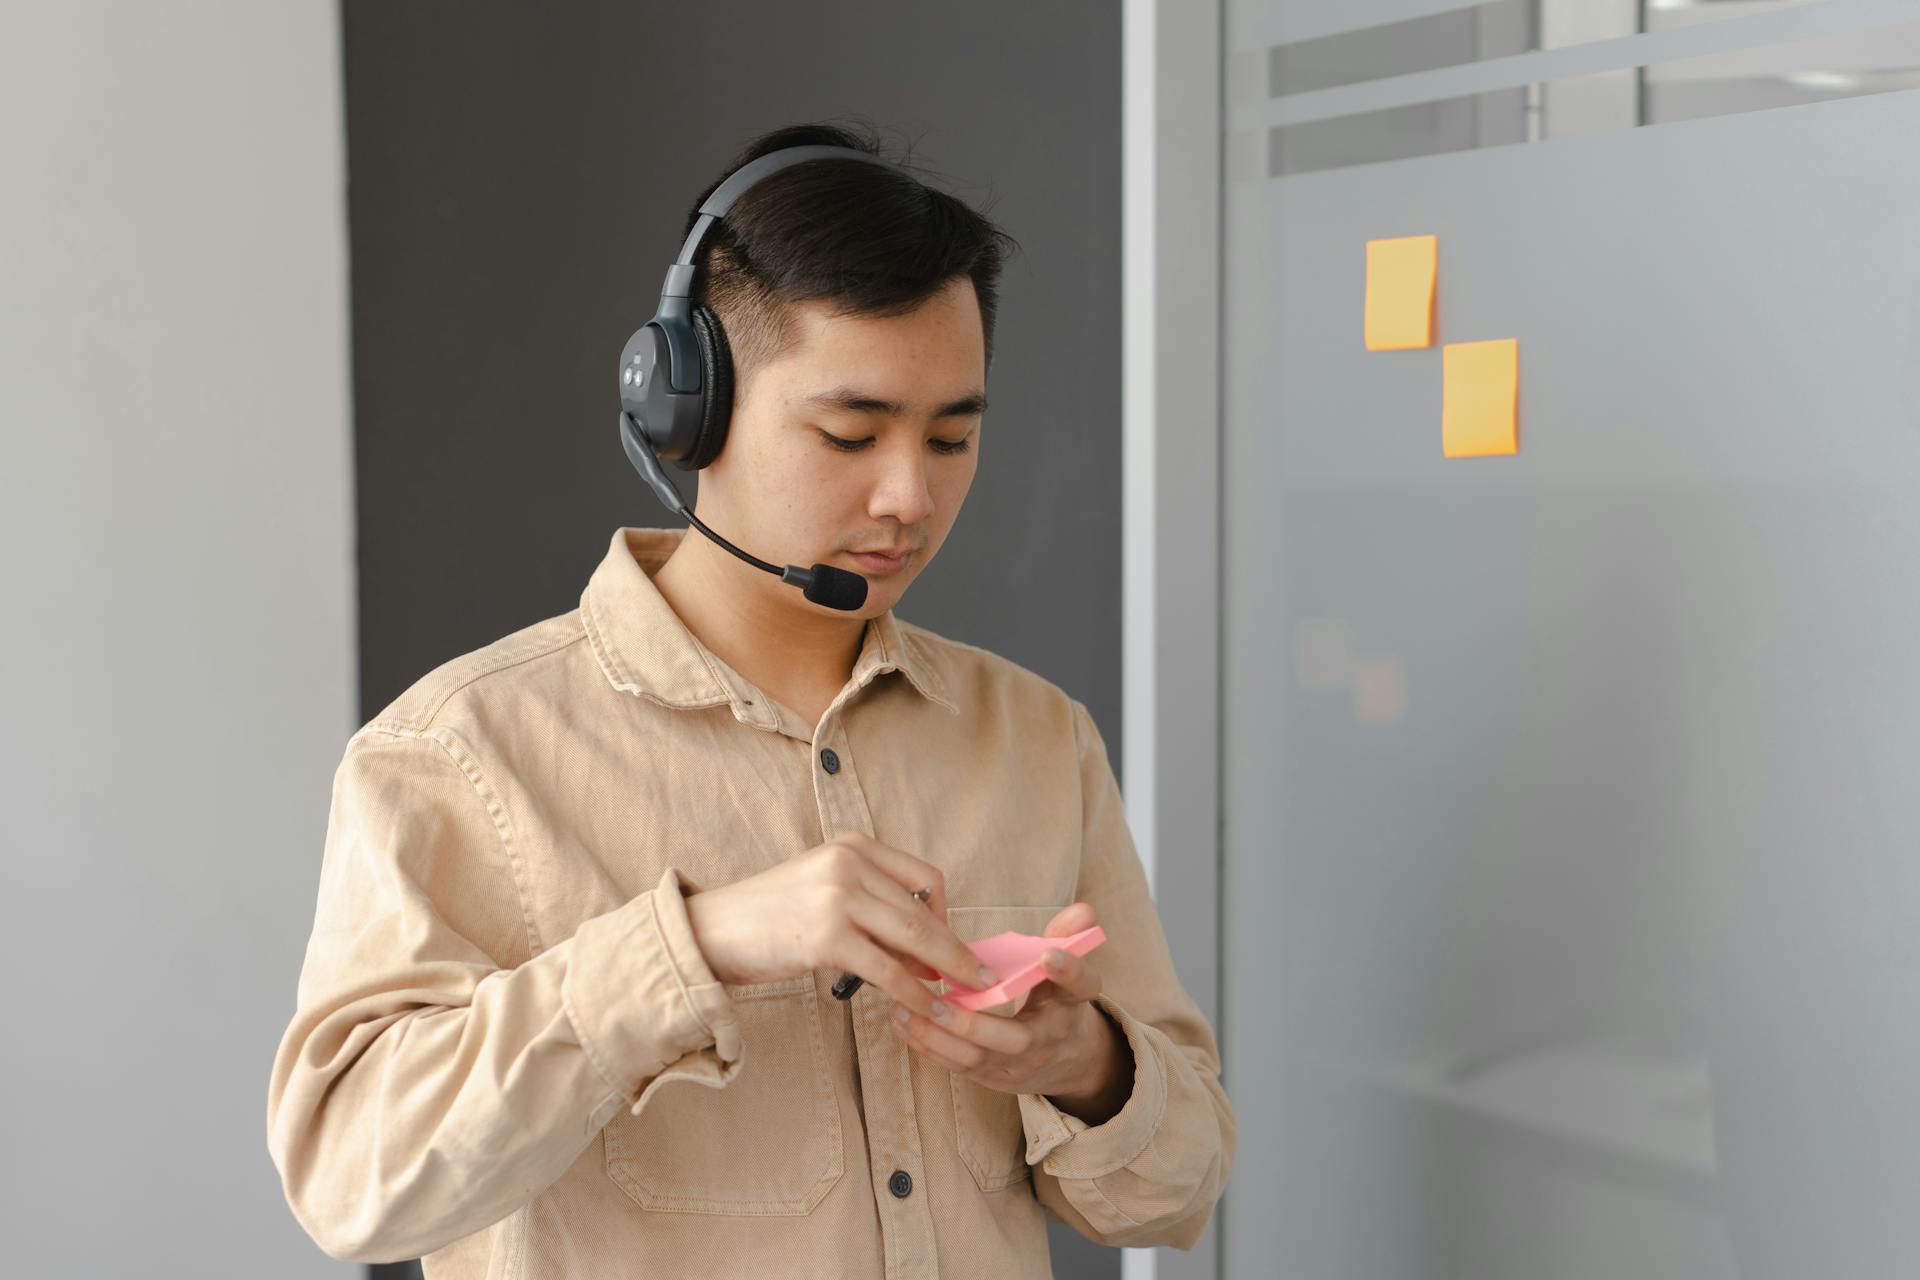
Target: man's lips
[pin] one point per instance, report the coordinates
(882, 562)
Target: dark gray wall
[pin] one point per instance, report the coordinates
(518, 181)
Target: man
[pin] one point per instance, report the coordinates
(567, 1006)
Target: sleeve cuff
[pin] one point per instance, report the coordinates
(642, 998)
(1072, 1148)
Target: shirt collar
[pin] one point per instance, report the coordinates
(644, 648)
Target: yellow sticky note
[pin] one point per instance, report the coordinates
(1479, 403)
(1400, 292)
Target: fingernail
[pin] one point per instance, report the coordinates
(986, 976)
(901, 1013)
(942, 1010)
(1056, 957)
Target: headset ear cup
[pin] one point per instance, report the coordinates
(716, 378)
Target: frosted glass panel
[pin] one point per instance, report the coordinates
(1366, 96)
(1573, 798)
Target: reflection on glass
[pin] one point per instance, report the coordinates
(1473, 32)
(1843, 66)
(1849, 64)
(1402, 48)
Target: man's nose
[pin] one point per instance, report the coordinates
(903, 492)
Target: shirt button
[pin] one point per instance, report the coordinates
(900, 1184)
(829, 761)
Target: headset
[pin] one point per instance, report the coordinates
(676, 380)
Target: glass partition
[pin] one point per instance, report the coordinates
(1572, 795)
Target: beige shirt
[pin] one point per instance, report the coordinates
(509, 1058)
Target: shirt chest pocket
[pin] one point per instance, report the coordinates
(767, 1144)
(987, 1129)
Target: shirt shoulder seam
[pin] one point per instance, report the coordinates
(434, 702)
(468, 764)
(925, 639)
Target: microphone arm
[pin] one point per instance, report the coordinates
(823, 584)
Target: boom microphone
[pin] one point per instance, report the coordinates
(823, 584)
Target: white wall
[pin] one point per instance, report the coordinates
(178, 669)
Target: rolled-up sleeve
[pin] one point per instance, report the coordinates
(442, 1065)
(1151, 1174)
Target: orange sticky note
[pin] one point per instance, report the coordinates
(1479, 402)
(1400, 292)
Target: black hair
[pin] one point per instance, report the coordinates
(864, 237)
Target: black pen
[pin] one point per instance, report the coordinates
(850, 981)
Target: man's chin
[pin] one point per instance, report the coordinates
(882, 593)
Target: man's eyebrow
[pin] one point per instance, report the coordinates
(855, 401)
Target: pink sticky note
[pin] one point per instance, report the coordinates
(1015, 957)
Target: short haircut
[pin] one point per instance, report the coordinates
(866, 238)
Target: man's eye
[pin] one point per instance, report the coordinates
(854, 446)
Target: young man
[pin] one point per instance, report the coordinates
(567, 1006)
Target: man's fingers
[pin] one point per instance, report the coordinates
(1075, 979)
(898, 922)
(891, 892)
(917, 967)
(1074, 976)
(903, 868)
(918, 933)
(914, 931)
(982, 1030)
(1071, 920)
(880, 969)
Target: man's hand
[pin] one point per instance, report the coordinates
(1060, 1044)
(846, 904)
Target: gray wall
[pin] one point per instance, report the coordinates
(179, 660)
(519, 181)
(1572, 925)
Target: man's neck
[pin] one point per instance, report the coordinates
(798, 656)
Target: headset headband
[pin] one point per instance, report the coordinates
(680, 275)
